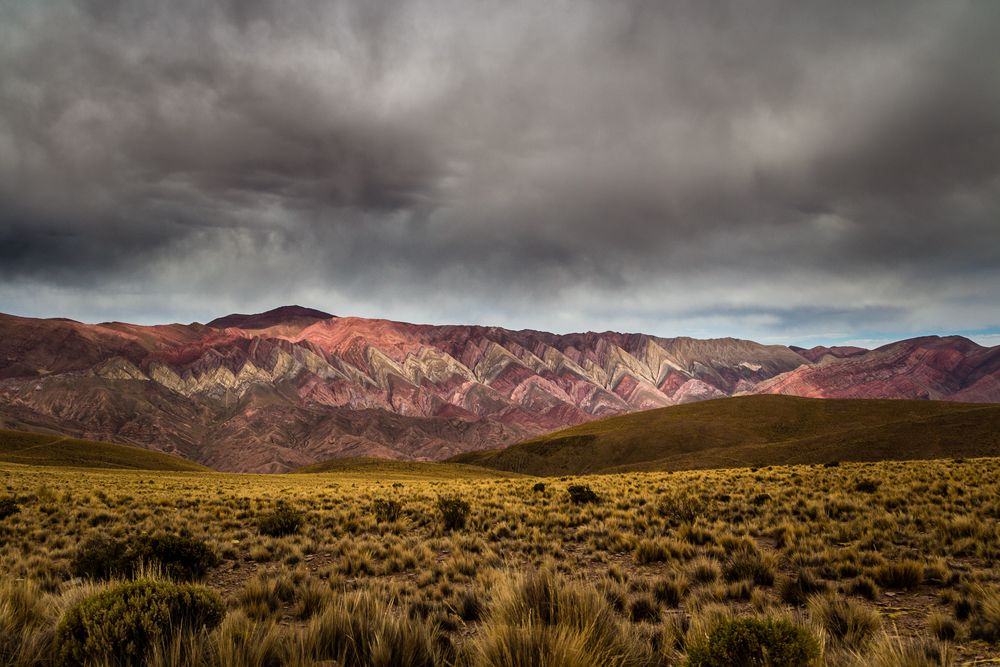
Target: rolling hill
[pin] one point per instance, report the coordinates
(757, 431)
(39, 449)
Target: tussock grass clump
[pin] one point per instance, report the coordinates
(359, 630)
(850, 623)
(900, 575)
(985, 620)
(22, 615)
(581, 494)
(864, 586)
(754, 642)
(543, 619)
(797, 589)
(454, 512)
(892, 651)
(749, 565)
(671, 589)
(943, 626)
(8, 507)
(282, 520)
(123, 624)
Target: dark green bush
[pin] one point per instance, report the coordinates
(122, 625)
(8, 507)
(282, 520)
(539, 487)
(454, 512)
(179, 557)
(102, 558)
(755, 642)
(582, 494)
(387, 511)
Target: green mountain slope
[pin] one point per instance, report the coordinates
(41, 449)
(757, 431)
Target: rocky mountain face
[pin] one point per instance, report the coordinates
(276, 390)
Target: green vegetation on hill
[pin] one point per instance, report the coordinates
(41, 449)
(375, 468)
(757, 431)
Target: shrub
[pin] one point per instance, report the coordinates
(539, 487)
(179, 557)
(282, 520)
(581, 494)
(866, 486)
(122, 625)
(752, 642)
(680, 509)
(454, 512)
(387, 511)
(850, 623)
(8, 507)
(102, 558)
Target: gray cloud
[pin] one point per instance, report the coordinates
(769, 169)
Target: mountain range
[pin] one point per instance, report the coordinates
(274, 391)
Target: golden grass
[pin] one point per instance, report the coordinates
(635, 579)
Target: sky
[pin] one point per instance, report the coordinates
(797, 172)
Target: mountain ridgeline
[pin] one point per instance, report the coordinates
(276, 391)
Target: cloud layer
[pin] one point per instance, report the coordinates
(780, 170)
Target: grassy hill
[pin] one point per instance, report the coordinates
(375, 468)
(757, 431)
(41, 449)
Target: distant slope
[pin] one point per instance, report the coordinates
(54, 450)
(757, 430)
(392, 469)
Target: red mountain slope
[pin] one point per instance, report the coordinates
(292, 386)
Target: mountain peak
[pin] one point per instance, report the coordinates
(281, 315)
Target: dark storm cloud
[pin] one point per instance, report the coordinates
(757, 169)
